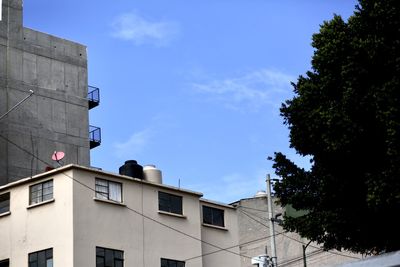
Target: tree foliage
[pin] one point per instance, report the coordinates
(346, 115)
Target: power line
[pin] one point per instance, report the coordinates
(137, 212)
(329, 251)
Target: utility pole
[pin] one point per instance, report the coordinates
(271, 223)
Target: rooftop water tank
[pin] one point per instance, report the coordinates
(261, 194)
(152, 174)
(131, 168)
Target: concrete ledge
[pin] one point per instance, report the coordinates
(109, 202)
(41, 203)
(4, 214)
(214, 226)
(172, 214)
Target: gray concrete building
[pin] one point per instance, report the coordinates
(255, 238)
(55, 117)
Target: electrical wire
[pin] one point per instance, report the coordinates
(298, 241)
(127, 207)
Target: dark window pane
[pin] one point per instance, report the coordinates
(164, 263)
(99, 262)
(4, 203)
(213, 216)
(99, 251)
(49, 254)
(109, 258)
(118, 254)
(41, 259)
(33, 264)
(119, 263)
(32, 257)
(169, 203)
(4, 263)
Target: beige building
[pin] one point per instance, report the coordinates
(82, 217)
(255, 238)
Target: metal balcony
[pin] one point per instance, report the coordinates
(94, 136)
(93, 96)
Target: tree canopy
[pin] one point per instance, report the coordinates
(345, 115)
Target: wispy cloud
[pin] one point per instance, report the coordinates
(233, 186)
(134, 145)
(135, 28)
(252, 90)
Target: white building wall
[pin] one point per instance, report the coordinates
(45, 226)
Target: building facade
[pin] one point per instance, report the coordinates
(255, 238)
(78, 216)
(55, 117)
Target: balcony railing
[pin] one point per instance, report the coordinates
(94, 136)
(93, 96)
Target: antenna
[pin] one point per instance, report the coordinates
(57, 156)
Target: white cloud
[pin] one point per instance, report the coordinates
(134, 145)
(249, 91)
(233, 187)
(133, 27)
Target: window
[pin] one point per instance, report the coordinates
(169, 203)
(41, 192)
(43, 258)
(108, 190)
(172, 263)
(4, 263)
(106, 257)
(4, 203)
(213, 216)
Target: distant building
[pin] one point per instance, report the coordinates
(56, 117)
(78, 216)
(255, 240)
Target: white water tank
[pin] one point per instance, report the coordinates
(152, 174)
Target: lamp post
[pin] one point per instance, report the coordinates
(271, 223)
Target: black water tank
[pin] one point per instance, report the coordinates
(131, 168)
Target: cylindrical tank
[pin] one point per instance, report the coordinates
(131, 168)
(152, 174)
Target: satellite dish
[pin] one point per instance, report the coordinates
(57, 156)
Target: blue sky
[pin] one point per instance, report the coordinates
(193, 87)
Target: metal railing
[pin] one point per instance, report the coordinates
(93, 96)
(94, 136)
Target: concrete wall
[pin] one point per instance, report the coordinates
(226, 237)
(27, 230)
(55, 118)
(253, 225)
(144, 242)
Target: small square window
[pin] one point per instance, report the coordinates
(172, 263)
(213, 216)
(108, 190)
(41, 192)
(106, 257)
(43, 258)
(169, 203)
(4, 202)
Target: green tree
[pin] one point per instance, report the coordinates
(345, 115)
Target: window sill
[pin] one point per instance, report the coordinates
(109, 202)
(214, 226)
(40, 203)
(172, 214)
(4, 214)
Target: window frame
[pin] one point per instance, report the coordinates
(115, 259)
(171, 261)
(46, 252)
(169, 205)
(106, 195)
(6, 208)
(42, 189)
(213, 210)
